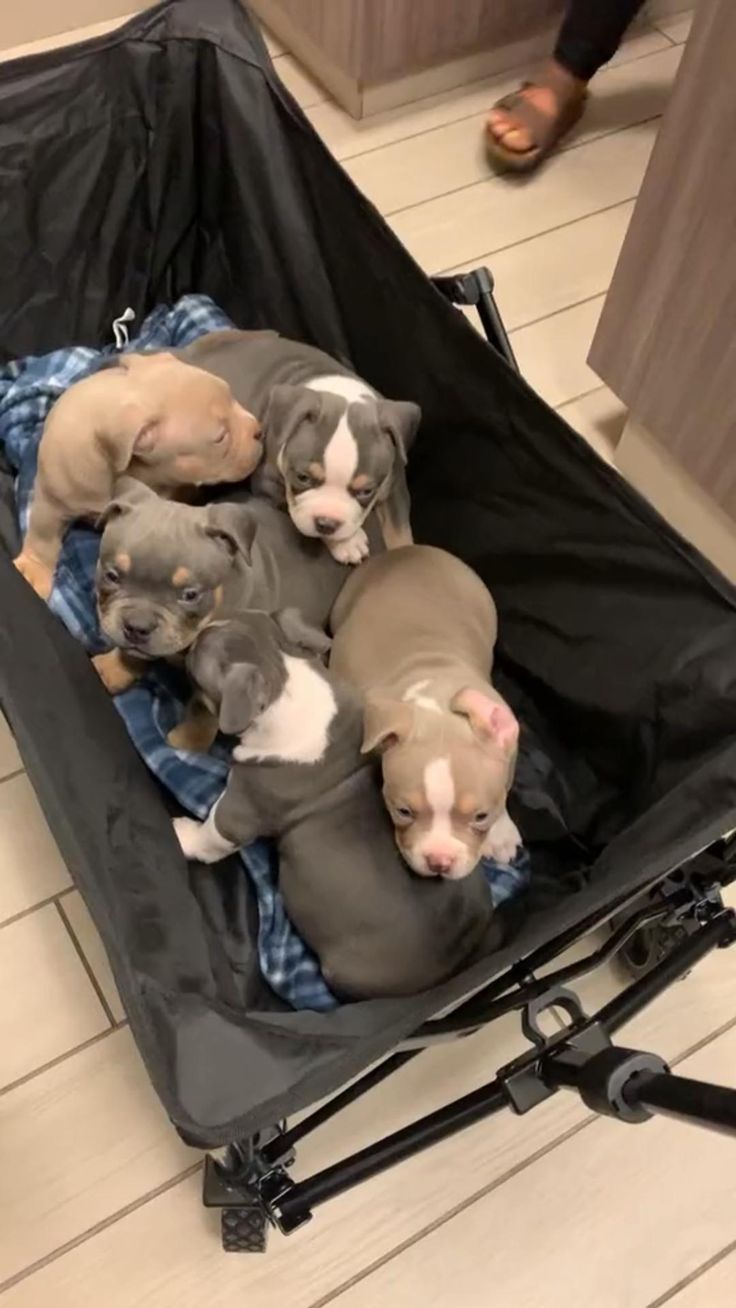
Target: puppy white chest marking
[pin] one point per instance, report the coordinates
(439, 787)
(295, 728)
(414, 695)
(350, 388)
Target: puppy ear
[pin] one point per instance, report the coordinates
(232, 527)
(288, 407)
(129, 493)
(400, 420)
(386, 722)
(491, 719)
(116, 509)
(242, 699)
(300, 633)
(146, 439)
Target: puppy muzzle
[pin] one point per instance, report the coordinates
(146, 633)
(327, 514)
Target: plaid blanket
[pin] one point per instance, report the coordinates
(28, 388)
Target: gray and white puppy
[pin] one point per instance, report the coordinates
(298, 776)
(166, 569)
(333, 447)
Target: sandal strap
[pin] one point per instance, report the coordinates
(540, 126)
(544, 129)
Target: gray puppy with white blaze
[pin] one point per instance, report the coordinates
(333, 447)
(298, 776)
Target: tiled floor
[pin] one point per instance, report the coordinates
(99, 1202)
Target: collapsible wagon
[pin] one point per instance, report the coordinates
(167, 158)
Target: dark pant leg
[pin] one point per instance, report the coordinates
(591, 33)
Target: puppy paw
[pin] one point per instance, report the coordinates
(353, 550)
(192, 737)
(503, 841)
(189, 833)
(115, 675)
(37, 574)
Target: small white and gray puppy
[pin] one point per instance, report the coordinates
(334, 448)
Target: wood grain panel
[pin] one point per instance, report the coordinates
(400, 35)
(375, 40)
(334, 27)
(666, 342)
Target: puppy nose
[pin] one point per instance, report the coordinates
(136, 632)
(326, 526)
(440, 864)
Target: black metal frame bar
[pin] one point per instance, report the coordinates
(629, 1085)
(476, 289)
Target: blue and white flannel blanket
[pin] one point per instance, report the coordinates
(28, 388)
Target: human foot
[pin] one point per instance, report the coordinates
(523, 127)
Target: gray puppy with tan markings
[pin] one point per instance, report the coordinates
(334, 448)
(298, 776)
(165, 570)
(414, 632)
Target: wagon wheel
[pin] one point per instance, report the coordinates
(244, 1230)
(648, 946)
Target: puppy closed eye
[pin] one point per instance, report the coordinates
(365, 494)
(111, 575)
(403, 814)
(221, 436)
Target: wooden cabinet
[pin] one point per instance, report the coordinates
(360, 48)
(666, 342)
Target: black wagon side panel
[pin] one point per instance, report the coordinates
(167, 158)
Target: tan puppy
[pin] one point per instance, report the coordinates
(414, 633)
(152, 417)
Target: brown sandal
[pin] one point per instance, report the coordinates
(546, 130)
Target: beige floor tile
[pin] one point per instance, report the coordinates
(273, 45)
(714, 1289)
(47, 1004)
(454, 156)
(10, 759)
(559, 268)
(177, 1258)
(32, 867)
(347, 136)
(676, 28)
(305, 90)
(167, 1252)
(552, 353)
(80, 1142)
(78, 916)
(459, 228)
(599, 417)
(602, 1219)
(59, 39)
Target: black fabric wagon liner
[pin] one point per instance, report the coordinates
(166, 158)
